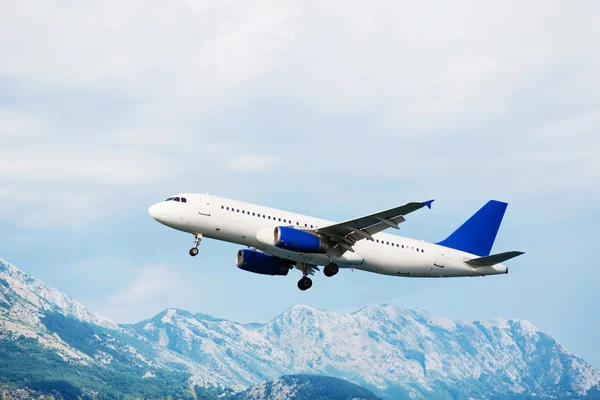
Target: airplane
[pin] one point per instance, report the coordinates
(278, 241)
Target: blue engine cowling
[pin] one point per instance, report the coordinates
(297, 240)
(261, 263)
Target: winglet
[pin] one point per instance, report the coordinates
(428, 203)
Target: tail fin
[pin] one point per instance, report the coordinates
(477, 235)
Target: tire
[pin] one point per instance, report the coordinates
(194, 251)
(304, 283)
(331, 269)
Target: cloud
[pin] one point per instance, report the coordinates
(16, 124)
(58, 163)
(103, 273)
(150, 284)
(146, 293)
(146, 47)
(253, 163)
(132, 99)
(37, 207)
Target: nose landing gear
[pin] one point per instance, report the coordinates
(197, 239)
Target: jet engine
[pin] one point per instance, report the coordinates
(298, 240)
(261, 263)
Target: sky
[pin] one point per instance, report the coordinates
(325, 108)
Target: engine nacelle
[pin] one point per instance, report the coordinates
(261, 263)
(298, 240)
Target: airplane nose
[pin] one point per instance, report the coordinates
(153, 211)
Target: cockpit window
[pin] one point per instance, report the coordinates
(169, 199)
(183, 200)
(176, 199)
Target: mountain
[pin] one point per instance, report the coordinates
(51, 343)
(48, 340)
(306, 387)
(394, 352)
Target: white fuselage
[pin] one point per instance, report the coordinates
(253, 225)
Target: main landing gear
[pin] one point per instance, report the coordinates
(197, 239)
(331, 269)
(304, 283)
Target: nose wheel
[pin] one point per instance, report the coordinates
(331, 269)
(304, 283)
(197, 239)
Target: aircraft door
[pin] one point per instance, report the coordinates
(205, 204)
(440, 258)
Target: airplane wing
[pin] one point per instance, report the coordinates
(346, 234)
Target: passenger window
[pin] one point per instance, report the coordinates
(253, 214)
(269, 217)
(238, 210)
(388, 243)
(243, 212)
(297, 223)
(377, 240)
(227, 208)
(311, 226)
(402, 246)
(279, 219)
(422, 251)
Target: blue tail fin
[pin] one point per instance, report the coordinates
(477, 235)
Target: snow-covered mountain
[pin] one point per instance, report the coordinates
(50, 342)
(397, 353)
(25, 303)
(394, 352)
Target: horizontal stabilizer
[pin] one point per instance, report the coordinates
(494, 259)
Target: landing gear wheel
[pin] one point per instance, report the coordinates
(197, 240)
(331, 269)
(304, 283)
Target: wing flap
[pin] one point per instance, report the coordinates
(494, 259)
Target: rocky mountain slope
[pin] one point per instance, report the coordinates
(51, 343)
(395, 353)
